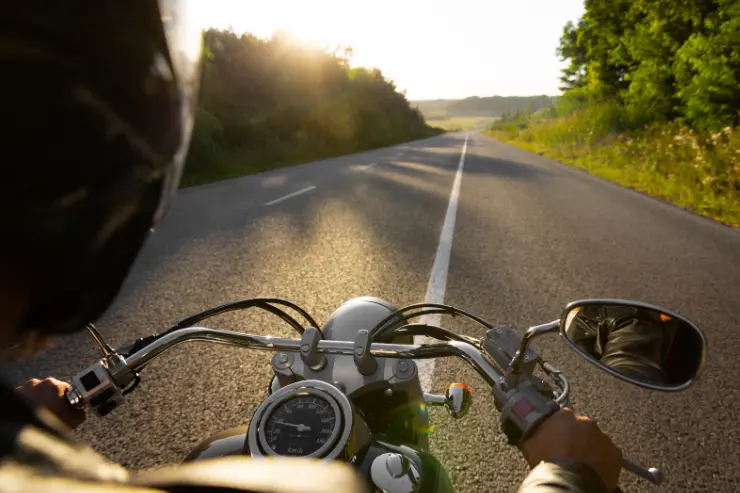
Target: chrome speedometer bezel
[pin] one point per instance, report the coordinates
(330, 441)
(340, 437)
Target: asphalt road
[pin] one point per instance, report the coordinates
(530, 236)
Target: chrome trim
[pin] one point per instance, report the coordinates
(74, 398)
(341, 436)
(457, 400)
(395, 473)
(647, 306)
(280, 399)
(652, 474)
(431, 400)
(463, 350)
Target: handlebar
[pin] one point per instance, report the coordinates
(103, 384)
(114, 373)
(468, 352)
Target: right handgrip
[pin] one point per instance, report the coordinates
(652, 474)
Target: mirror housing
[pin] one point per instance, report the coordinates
(643, 344)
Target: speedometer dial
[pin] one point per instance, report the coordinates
(301, 426)
(308, 418)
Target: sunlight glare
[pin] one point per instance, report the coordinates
(432, 48)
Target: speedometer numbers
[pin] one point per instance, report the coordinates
(300, 426)
(309, 418)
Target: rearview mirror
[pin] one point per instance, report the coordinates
(643, 344)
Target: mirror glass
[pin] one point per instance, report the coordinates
(639, 343)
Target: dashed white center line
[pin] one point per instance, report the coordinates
(368, 165)
(438, 279)
(286, 197)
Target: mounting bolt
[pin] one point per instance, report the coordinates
(282, 361)
(404, 369)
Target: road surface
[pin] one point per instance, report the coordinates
(528, 236)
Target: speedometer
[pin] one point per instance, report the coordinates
(302, 425)
(309, 418)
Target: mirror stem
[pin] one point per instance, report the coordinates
(518, 359)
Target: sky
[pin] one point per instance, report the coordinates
(430, 48)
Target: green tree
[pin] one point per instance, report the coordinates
(662, 59)
(707, 69)
(275, 100)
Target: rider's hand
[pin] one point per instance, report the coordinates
(567, 436)
(49, 393)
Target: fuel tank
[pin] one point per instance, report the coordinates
(229, 442)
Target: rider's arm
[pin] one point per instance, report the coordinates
(571, 453)
(560, 475)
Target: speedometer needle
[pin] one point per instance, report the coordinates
(300, 427)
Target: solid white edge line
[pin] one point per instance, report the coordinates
(286, 197)
(438, 278)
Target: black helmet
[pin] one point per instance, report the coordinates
(97, 100)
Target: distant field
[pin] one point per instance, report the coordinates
(461, 122)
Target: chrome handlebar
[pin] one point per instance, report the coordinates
(468, 352)
(102, 385)
(116, 373)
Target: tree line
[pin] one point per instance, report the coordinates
(488, 106)
(268, 102)
(662, 59)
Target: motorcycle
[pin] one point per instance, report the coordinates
(350, 390)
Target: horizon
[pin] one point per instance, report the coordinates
(489, 96)
(429, 50)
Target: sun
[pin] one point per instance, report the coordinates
(325, 24)
(319, 22)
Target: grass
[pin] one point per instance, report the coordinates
(670, 161)
(458, 123)
(219, 164)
